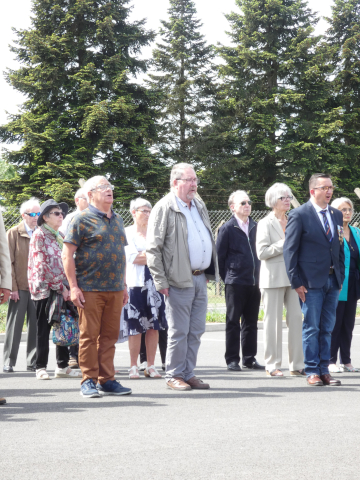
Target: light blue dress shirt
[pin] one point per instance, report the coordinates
(199, 239)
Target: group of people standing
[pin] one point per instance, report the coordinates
(153, 276)
(301, 260)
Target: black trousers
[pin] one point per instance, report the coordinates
(241, 301)
(163, 335)
(42, 339)
(344, 325)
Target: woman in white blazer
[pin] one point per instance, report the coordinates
(275, 286)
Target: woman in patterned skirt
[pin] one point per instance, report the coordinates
(145, 310)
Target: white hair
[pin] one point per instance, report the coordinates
(91, 184)
(80, 193)
(338, 201)
(29, 204)
(238, 193)
(275, 192)
(177, 171)
(139, 202)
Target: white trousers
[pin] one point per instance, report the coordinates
(274, 299)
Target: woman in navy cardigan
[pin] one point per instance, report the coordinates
(345, 313)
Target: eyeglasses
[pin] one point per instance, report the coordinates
(325, 189)
(103, 187)
(33, 214)
(190, 180)
(289, 197)
(244, 202)
(145, 212)
(345, 210)
(57, 214)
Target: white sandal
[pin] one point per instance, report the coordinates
(152, 372)
(64, 373)
(134, 373)
(41, 374)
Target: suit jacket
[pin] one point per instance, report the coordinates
(5, 264)
(19, 241)
(269, 247)
(308, 253)
(238, 263)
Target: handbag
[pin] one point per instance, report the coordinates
(66, 332)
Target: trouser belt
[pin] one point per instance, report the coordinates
(197, 272)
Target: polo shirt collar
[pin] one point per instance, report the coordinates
(99, 212)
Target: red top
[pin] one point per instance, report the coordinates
(45, 270)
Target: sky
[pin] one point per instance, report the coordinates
(16, 13)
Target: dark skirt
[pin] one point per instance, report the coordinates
(145, 309)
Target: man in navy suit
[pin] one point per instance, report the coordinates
(314, 259)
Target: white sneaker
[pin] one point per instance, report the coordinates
(333, 368)
(142, 366)
(67, 373)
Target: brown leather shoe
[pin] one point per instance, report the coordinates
(197, 384)
(314, 381)
(177, 383)
(329, 380)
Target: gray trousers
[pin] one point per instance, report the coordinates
(186, 317)
(14, 324)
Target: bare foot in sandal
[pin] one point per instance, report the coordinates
(274, 373)
(134, 373)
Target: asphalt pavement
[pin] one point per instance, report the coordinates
(247, 426)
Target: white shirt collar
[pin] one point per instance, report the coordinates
(28, 230)
(317, 208)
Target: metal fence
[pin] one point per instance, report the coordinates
(216, 290)
(12, 217)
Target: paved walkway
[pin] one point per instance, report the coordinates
(246, 426)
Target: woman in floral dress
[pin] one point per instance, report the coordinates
(145, 310)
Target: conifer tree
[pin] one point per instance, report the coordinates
(344, 38)
(184, 74)
(84, 113)
(269, 121)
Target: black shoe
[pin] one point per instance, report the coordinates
(234, 366)
(8, 369)
(31, 368)
(254, 365)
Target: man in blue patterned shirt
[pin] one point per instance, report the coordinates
(98, 286)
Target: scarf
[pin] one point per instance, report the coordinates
(57, 234)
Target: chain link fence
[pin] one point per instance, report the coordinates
(216, 290)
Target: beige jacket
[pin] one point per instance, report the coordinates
(167, 250)
(269, 247)
(19, 242)
(5, 264)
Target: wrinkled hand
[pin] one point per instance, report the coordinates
(164, 291)
(4, 295)
(125, 297)
(77, 297)
(14, 296)
(301, 292)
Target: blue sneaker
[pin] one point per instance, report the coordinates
(88, 389)
(112, 387)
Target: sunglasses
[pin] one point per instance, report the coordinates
(244, 202)
(57, 214)
(33, 214)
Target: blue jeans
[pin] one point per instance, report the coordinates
(319, 311)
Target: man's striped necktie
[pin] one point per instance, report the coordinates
(327, 226)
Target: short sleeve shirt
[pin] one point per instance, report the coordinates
(100, 257)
